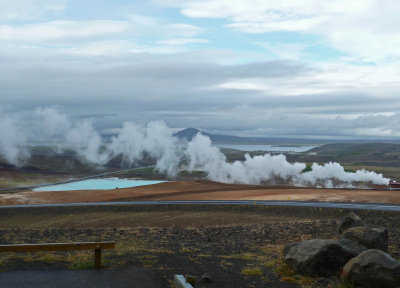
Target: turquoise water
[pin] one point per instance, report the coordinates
(98, 184)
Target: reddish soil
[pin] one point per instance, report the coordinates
(204, 190)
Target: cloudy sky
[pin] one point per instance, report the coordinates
(298, 68)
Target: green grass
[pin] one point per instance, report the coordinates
(252, 271)
(244, 256)
(148, 260)
(80, 260)
(81, 265)
(192, 172)
(145, 170)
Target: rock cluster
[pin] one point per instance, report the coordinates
(350, 221)
(373, 268)
(360, 255)
(318, 257)
(372, 238)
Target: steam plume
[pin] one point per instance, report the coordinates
(155, 140)
(12, 142)
(85, 140)
(271, 169)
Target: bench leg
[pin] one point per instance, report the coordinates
(97, 258)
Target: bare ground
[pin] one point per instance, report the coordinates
(205, 190)
(238, 246)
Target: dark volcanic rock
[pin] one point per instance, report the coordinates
(353, 245)
(288, 247)
(373, 268)
(318, 257)
(351, 220)
(206, 278)
(372, 238)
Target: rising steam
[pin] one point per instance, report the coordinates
(12, 142)
(271, 169)
(155, 140)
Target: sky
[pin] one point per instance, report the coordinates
(296, 68)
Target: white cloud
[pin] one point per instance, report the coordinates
(377, 132)
(366, 29)
(284, 51)
(111, 38)
(60, 30)
(145, 67)
(379, 81)
(271, 23)
(182, 41)
(184, 30)
(156, 26)
(102, 48)
(117, 48)
(29, 9)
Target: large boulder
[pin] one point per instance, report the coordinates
(372, 238)
(318, 257)
(351, 220)
(373, 268)
(356, 247)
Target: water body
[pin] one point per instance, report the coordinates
(270, 148)
(98, 184)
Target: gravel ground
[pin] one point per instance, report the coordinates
(242, 254)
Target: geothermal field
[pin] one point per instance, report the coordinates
(229, 245)
(194, 167)
(199, 144)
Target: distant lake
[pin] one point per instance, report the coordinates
(98, 184)
(270, 148)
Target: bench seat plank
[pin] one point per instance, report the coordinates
(57, 246)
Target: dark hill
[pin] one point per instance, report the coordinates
(344, 149)
(189, 133)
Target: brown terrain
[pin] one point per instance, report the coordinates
(205, 190)
(236, 245)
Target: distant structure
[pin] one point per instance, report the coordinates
(394, 185)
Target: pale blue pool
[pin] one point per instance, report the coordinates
(98, 184)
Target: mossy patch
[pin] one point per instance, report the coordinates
(252, 271)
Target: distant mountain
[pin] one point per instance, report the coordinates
(189, 133)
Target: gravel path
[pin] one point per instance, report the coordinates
(132, 277)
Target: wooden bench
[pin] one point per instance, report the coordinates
(96, 246)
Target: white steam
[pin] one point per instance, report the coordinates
(155, 141)
(271, 169)
(133, 143)
(12, 142)
(87, 143)
(326, 175)
(52, 123)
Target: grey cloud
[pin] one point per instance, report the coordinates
(183, 91)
